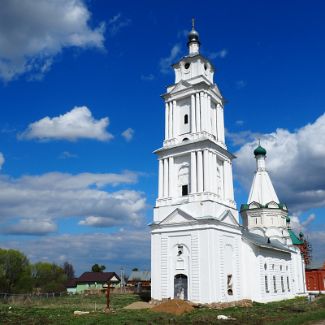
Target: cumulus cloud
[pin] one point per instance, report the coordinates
(32, 33)
(122, 248)
(242, 137)
(165, 63)
(2, 160)
(116, 23)
(39, 199)
(76, 124)
(295, 161)
(128, 134)
(31, 227)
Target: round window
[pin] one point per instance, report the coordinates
(187, 65)
(205, 66)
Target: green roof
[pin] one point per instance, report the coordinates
(259, 151)
(294, 238)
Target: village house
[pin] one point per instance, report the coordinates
(92, 281)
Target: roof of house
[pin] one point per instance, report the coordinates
(265, 242)
(72, 283)
(97, 277)
(140, 276)
(294, 238)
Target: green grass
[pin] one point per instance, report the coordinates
(60, 311)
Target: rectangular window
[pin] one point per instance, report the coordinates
(184, 190)
(288, 283)
(282, 284)
(274, 283)
(266, 285)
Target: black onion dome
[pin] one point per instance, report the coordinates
(193, 36)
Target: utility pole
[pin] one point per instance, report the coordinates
(122, 279)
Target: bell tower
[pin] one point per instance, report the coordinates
(195, 235)
(195, 168)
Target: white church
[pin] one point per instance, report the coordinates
(199, 250)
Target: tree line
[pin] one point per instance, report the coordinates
(18, 275)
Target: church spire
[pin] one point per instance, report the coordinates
(262, 190)
(193, 40)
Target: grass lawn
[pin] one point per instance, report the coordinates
(60, 311)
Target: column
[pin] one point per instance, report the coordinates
(219, 126)
(222, 125)
(203, 111)
(174, 120)
(212, 172)
(214, 121)
(209, 113)
(161, 179)
(193, 115)
(170, 124)
(167, 121)
(199, 172)
(206, 170)
(198, 113)
(228, 182)
(193, 172)
(171, 176)
(166, 177)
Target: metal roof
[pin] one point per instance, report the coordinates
(265, 242)
(140, 276)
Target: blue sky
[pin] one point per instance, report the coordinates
(81, 113)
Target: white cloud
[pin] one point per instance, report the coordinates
(242, 137)
(122, 248)
(2, 160)
(76, 124)
(128, 134)
(31, 227)
(38, 199)
(295, 161)
(116, 23)
(67, 155)
(165, 63)
(220, 54)
(32, 33)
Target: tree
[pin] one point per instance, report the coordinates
(68, 270)
(49, 277)
(15, 272)
(98, 268)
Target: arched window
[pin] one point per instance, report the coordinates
(183, 180)
(186, 119)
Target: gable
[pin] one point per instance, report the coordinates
(180, 86)
(176, 217)
(228, 217)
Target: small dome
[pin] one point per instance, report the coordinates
(193, 36)
(288, 219)
(259, 151)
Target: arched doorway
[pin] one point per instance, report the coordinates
(180, 286)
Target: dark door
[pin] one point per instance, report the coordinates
(180, 286)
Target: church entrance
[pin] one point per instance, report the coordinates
(180, 286)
